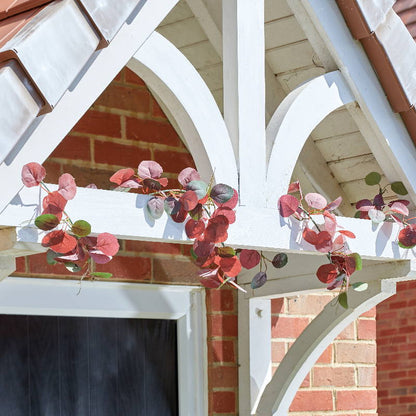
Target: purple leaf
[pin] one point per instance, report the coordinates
(188, 175)
(316, 201)
(259, 280)
(155, 207)
(149, 169)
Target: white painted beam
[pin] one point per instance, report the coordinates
(244, 93)
(294, 120)
(266, 229)
(313, 341)
(174, 79)
(51, 128)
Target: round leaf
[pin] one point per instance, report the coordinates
(189, 200)
(327, 273)
(249, 258)
(399, 188)
(67, 187)
(221, 193)
(343, 300)
(316, 201)
(373, 178)
(227, 212)
(376, 215)
(194, 228)
(226, 252)
(358, 261)
(155, 207)
(81, 228)
(200, 187)
(324, 242)
(216, 231)
(59, 241)
(280, 260)
(288, 204)
(259, 280)
(108, 244)
(33, 174)
(231, 266)
(188, 175)
(72, 267)
(407, 236)
(149, 169)
(232, 203)
(360, 286)
(46, 222)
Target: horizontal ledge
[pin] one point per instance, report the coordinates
(123, 215)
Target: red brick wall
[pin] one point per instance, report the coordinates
(396, 350)
(126, 126)
(343, 381)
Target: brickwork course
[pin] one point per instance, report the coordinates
(125, 126)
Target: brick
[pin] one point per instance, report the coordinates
(152, 247)
(37, 265)
(84, 176)
(174, 162)
(348, 332)
(156, 110)
(119, 154)
(288, 327)
(73, 147)
(220, 300)
(326, 356)
(332, 376)
(175, 271)
(20, 265)
(53, 171)
(278, 351)
(356, 400)
(309, 401)
(99, 123)
(152, 131)
(223, 401)
(221, 351)
(223, 376)
(366, 329)
(277, 305)
(131, 268)
(366, 376)
(308, 305)
(222, 325)
(371, 313)
(355, 353)
(125, 98)
(132, 78)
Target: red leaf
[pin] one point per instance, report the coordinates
(76, 255)
(315, 200)
(232, 203)
(194, 229)
(59, 241)
(327, 273)
(216, 231)
(189, 200)
(339, 243)
(67, 187)
(288, 205)
(323, 242)
(399, 208)
(149, 169)
(350, 265)
(99, 257)
(231, 266)
(33, 174)
(203, 248)
(294, 187)
(54, 203)
(364, 203)
(310, 236)
(249, 258)
(163, 181)
(179, 215)
(188, 175)
(227, 212)
(108, 244)
(330, 222)
(347, 233)
(210, 278)
(407, 236)
(334, 204)
(125, 178)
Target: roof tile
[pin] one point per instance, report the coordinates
(10, 8)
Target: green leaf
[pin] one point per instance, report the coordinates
(102, 275)
(403, 246)
(343, 300)
(200, 187)
(193, 255)
(358, 261)
(155, 207)
(81, 228)
(357, 214)
(50, 257)
(360, 286)
(226, 251)
(279, 260)
(46, 222)
(221, 193)
(373, 178)
(399, 188)
(72, 267)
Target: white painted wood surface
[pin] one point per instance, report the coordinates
(53, 127)
(166, 70)
(244, 93)
(184, 304)
(313, 341)
(311, 102)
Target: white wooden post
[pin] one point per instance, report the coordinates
(254, 350)
(244, 93)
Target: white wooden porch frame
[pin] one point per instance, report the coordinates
(185, 304)
(244, 118)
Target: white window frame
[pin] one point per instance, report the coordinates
(185, 304)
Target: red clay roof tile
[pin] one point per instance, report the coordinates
(10, 8)
(406, 9)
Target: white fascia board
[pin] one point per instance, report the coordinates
(125, 216)
(375, 11)
(51, 128)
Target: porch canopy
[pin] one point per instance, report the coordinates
(287, 83)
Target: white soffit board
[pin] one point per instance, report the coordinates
(18, 106)
(109, 15)
(54, 47)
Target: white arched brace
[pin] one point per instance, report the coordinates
(50, 129)
(182, 90)
(292, 123)
(299, 360)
